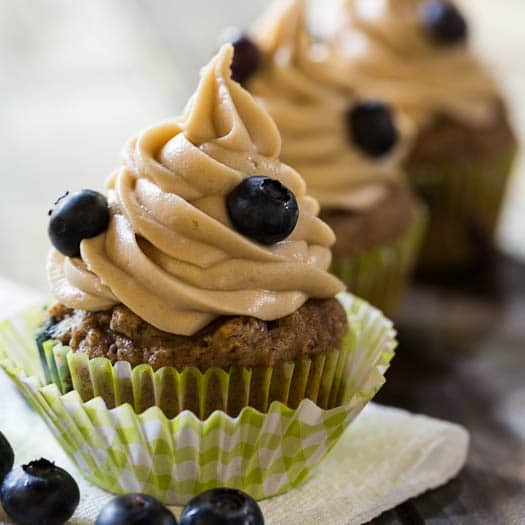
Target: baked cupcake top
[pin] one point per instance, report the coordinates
(173, 252)
(317, 115)
(415, 55)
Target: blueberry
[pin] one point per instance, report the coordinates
(39, 492)
(46, 331)
(246, 57)
(7, 457)
(263, 209)
(444, 22)
(135, 509)
(75, 217)
(371, 128)
(222, 507)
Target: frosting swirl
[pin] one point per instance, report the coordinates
(170, 253)
(390, 55)
(300, 85)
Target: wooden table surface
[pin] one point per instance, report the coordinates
(462, 358)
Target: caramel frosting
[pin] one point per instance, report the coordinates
(392, 56)
(170, 253)
(299, 84)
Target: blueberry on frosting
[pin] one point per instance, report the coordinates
(246, 56)
(444, 22)
(77, 216)
(263, 209)
(371, 128)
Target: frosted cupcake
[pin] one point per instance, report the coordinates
(415, 55)
(196, 341)
(213, 258)
(347, 149)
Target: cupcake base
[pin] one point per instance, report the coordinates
(263, 453)
(461, 171)
(465, 198)
(201, 392)
(381, 274)
(232, 363)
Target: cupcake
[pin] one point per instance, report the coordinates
(415, 55)
(196, 339)
(213, 257)
(347, 148)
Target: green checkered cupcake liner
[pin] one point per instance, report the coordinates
(175, 458)
(381, 275)
(465, 200)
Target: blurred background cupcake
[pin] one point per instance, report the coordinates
(416, 55)
(347, 148)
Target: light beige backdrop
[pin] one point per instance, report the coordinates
(78, 78)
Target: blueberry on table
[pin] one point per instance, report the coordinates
(77, 216)
(222, 506)
(7, 457)
(246, 57)
(135, 509)
(444, 22)
(39, 493)
(263, 209)
(371, 128)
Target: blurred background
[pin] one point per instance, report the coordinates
(79, 78)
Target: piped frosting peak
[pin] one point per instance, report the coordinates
(170, 253)
(301, 85)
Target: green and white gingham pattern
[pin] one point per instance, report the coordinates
(263, 454)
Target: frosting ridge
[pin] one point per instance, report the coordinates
(170, 253)
(390, 55)
(301, 86)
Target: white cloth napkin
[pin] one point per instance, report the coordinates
(386, 457)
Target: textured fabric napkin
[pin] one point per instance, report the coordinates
(386, 457)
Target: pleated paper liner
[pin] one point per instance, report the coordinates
(318, 378)
(381, 275)
(173, 459)
(465, 201)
